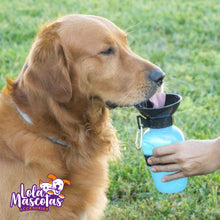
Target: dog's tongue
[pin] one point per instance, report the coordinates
(158, 100)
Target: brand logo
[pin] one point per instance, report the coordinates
(39, 199)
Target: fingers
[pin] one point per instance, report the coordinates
(161, 160)
(173, 177)
(165, 168)
(165, 150)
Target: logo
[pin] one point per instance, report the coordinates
(40, 199)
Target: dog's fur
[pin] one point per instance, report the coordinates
(67, 79)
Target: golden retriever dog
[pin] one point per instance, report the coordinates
(54, 118)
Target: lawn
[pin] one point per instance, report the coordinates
(183, 38)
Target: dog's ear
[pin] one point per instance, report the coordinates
(51, 176)
(41, 182)
(47, 67)
(67, 182)
(50, 182)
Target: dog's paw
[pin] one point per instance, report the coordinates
(61, 196)
(50, 192)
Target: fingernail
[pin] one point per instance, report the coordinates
(149, 161)
(163, 179)
(153, 169)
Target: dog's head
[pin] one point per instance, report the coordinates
(90, 56)
(57, 183)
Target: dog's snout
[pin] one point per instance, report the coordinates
(157, 75)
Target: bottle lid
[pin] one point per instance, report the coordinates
(159, 117)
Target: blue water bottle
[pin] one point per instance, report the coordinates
(160, 132)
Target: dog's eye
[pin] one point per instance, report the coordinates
(109, 51)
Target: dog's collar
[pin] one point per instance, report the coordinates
(55, 141)
(52, 139)
(24, 116)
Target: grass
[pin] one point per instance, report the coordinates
(183, 38)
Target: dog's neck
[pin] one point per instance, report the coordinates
(52, 139)
(61, 121)
(77, 125)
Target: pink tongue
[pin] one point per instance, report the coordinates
(158, 100)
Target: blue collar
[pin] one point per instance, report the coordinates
(24, 116)
(52, 139)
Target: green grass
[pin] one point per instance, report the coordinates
(183, 38)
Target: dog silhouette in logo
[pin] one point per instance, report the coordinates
(57, 185)
(46, 186)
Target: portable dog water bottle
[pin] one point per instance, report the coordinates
(160, 132)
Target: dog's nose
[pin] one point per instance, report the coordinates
(157, 75)
(57, 186)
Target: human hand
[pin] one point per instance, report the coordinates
(190, 158)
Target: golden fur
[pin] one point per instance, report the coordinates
(63, 88)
